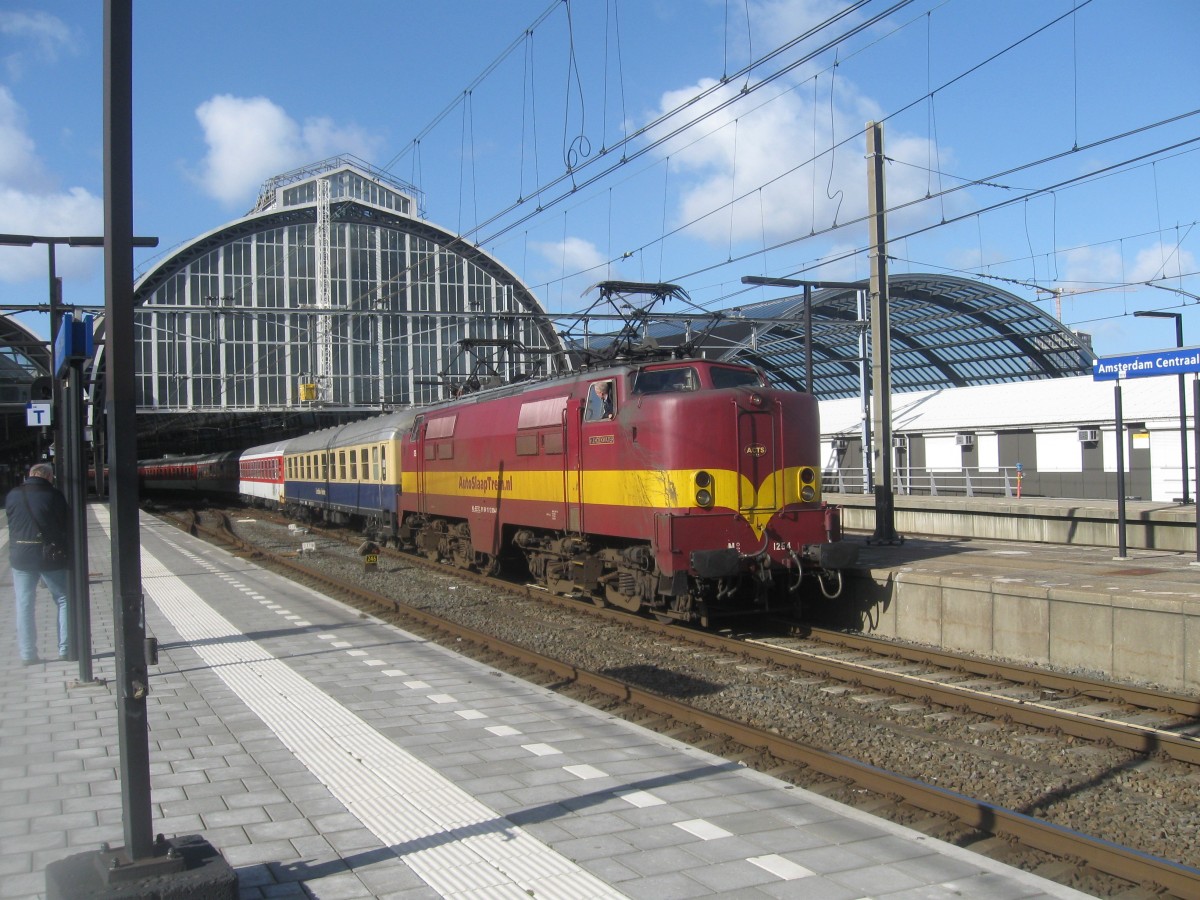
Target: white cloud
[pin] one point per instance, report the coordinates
(1089, 267)
(1162, 261)
(38, 33)
(17, 157)
(30, 203)
(251, 138)
(574, 255)
(772, 148)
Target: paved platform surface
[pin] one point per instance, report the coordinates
(329, 755)
(1087, 569)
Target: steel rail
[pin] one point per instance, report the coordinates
(1136, 738)
(1132, 694)
(1122, 862)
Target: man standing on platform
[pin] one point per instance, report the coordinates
(38, 537)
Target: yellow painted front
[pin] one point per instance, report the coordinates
(644, 489)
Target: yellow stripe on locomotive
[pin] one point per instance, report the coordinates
(723, 490)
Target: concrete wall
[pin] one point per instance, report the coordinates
(1144, 639)
(1149, 526)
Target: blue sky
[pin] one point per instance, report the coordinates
(1049, 144)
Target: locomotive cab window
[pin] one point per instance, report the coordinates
(660, 381)
(727, 376)
(599, 402)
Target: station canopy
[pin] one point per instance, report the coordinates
(946, 332)
(23, 357)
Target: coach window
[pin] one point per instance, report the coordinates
(600, 402)
(383, 462)
(353, 466)
(342, 464)
(374, 463)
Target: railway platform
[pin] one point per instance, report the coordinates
(1039, 581)
(327, 754)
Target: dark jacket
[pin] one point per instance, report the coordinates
(47, 506)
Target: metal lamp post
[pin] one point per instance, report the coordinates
(70, 462)
(1183, 443)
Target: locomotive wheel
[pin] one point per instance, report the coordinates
(621, 601)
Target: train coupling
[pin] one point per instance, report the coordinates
(837, 555)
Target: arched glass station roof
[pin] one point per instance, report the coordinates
(946, 332)
(23, 357)
(333, 293)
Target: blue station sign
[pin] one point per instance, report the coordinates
(1176, 361)
(73, 342)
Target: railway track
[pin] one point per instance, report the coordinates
(845, 660)
(1128, 716)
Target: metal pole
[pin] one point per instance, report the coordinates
(1183, 441)
(132, 680)
(1196, 437)
(808, 365)
(1120, 437)
(864, 393)
(81, 630)
(881, 366)
(56, 408)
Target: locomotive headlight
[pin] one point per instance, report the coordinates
(756, 399)
(808, 484)
(704, 483)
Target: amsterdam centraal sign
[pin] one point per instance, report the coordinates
(1176, 361)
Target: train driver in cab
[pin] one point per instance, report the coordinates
(600, 402)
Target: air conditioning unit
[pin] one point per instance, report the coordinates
(838, 443)
(899, 441)
(964, 440)
(1089, 435)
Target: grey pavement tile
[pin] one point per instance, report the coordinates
(250, 854)
(827, 860)
(15, 864)
(283, 812)
(934, 868)
(180, 779)
(388, 875)
(674, 886)
(351, 839)
(241, 817)
(30, 812)
(29, 885)
(736, 876)
(319, 807)
(255, 798)
(277, 830)
(602, 846)
(847, 831)
(990, 886)
(878, 880)
(190, 806)
(816, 888)
(657, 862)
(64, 822)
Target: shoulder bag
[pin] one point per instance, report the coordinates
(54, 556)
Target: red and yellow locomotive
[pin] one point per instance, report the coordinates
(684, 488)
